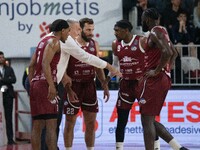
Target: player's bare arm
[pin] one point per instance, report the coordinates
(31, 67)
(52, 47)
(157, 39)
(101, 76)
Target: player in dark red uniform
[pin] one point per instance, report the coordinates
(159, 58)
(129, 57)
(43, 93)
(83, 85)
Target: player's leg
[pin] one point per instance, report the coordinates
(121, 124)
(69, 131)
(90, 120)
(37, 127)
(51, 135)
(126, 98)
(149, 131)
(167, 137)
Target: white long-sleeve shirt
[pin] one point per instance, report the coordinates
(70, 47)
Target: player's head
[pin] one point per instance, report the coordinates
(75, 29)
(122, 29)
(87, 26)
(60, 27)
(150, 18)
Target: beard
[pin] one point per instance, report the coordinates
(85, 38)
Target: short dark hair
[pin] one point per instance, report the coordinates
(152, 13)
(124, 24)
(58, 25)
(1, 53)
(182, 12)
(85, 20)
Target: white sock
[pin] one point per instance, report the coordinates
(68, 148)
(157, 145)
(174, 144)
(119, 145)
(90, 148)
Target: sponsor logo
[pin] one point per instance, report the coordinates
(142, 101)
(44, 29)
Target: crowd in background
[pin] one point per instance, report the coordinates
(182, 21)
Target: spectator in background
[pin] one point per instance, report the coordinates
(141, 6)
(160, 5)
(188, 5)
(25, 81)
(170, 16)
(183, 33)
(7, 78)
(196, 21)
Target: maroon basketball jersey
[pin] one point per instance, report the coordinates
(131, 58)
(38, 74)
(153, 54)
(78, 70)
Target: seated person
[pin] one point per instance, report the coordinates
(183, 34)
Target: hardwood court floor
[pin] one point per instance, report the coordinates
(22, 146)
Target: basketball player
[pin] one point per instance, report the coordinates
(129, 57)
(83, 85)
(43, 93)
(153, 88)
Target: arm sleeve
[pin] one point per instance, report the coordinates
(72, 48)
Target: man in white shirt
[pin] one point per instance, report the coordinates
(71, 47)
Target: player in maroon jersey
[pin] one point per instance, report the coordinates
(43, 93)
(83, 85)
(127, 55)
(159, 58)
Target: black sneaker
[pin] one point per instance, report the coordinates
(183, 148)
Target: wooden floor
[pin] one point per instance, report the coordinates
(25, 146)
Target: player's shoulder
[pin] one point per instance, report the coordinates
(159, 29)
(94, 42)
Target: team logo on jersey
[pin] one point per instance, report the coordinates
(66, 103)
(76, 72)
(142, 101)
(92, 49)
(126, 59)
(92, 43)
(133, 48)
(135, 42)
(118, 48)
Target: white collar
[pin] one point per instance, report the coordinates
(128, 44)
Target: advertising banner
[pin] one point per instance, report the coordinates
(24, 23)
(180, 115)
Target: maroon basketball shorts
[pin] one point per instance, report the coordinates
(152, 93)
(86, 92)
(126, 94)
(41, 107)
